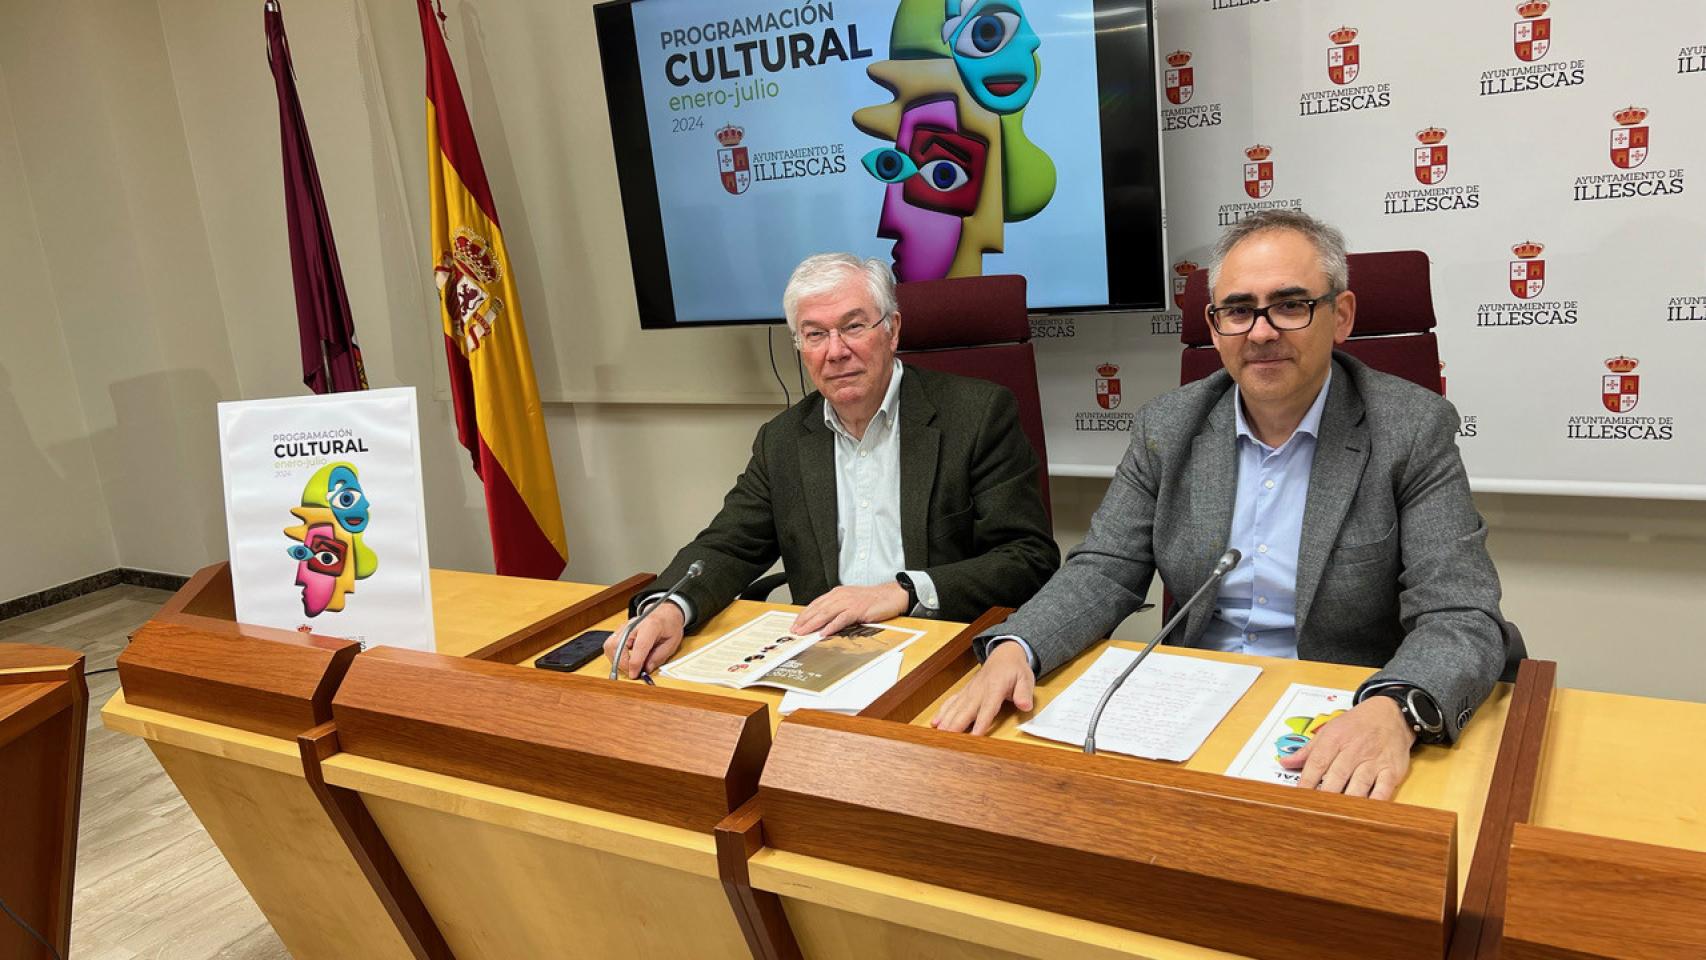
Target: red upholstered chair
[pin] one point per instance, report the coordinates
(978, 327)
(1394, 324)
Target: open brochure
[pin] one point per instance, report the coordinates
(762, 652)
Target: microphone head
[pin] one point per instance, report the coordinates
(1228, 560)
(696, 568)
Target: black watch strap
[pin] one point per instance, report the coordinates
(1419, 710)
(911, 591)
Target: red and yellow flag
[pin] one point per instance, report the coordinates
(498, 417)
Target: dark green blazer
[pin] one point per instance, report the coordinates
(970, 512)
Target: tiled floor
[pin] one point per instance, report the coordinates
(150, 883)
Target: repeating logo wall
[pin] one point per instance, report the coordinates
(1536, 150)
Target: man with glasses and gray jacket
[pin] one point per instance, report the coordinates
(1344, 492)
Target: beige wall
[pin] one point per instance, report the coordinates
(155, 279)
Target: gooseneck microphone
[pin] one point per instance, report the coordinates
(1228, 560)
(693, 570)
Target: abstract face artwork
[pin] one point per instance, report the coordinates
(329, 550)
(957, 165)
(995, 49)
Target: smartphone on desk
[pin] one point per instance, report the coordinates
(575, 654)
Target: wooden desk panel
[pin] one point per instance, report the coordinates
(508, 874)
(248, 790)
(1115, 840)
(1624, 767)
(1577, 897)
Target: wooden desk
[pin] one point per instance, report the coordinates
(554, 819)
(1624, 767)
(1611, 861)
(222, 705)
(44, 706)
(841, 911)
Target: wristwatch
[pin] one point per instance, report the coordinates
(911, 591)
(1420, 712)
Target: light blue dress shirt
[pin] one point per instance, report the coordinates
(1256, 609)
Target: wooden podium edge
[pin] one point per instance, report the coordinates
(556, 627)
(1593, 897)
(919, 689)
(803, 792)
(367, 845)
(762, 919)
(61, 667)
(1510, 800)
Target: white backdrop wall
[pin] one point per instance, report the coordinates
(1516, 152)
(140, 175)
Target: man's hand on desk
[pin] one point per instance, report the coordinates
(1005, 676)
(845, 606)
(1363, 753)
(654, 642)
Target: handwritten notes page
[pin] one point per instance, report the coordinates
(1165, 711)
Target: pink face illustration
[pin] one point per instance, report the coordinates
(319, 567)
(925, 239)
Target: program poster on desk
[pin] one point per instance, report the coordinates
(326, 518)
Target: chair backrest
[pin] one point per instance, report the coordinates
(978, 327)
(1394, 324)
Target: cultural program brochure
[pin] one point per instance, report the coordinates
(325, 516)
(1293, 722)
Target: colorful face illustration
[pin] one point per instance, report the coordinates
(329, 551)
(344, 496)
(320, 565)
(931, 188)
(995, 49)
(957, 165)
(1303, 730)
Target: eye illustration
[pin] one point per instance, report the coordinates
(945, 175)
(889, 165)
(986, 34)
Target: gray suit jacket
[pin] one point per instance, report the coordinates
(1393, 569)
(971, 515)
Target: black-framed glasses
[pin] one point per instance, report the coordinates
(1292, 313)
(816, 338)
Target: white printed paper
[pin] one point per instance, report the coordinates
(1292, 723)
(325, 517)
(855, 694)
(1167, 708)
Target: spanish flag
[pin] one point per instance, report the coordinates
(498, 417)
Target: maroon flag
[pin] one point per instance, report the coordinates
(331, 358)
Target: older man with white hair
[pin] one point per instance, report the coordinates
(890, 490)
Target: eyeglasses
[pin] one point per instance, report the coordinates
(1293, 313)
(816, 338)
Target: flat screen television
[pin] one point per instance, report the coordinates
(949, 137)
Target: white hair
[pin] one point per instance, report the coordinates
(823, 273)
